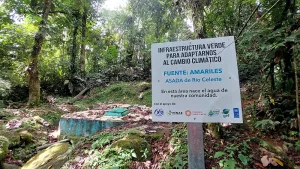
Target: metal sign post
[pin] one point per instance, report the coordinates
(196, 146)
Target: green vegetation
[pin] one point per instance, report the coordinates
(140, 146)
(24, 152)
(231, 152)
(122, 152)
(120, 92)
(12, 136)
(59, 57)
(4, 142)
(116, 149)
(52, 117)
(297, 146)
(178, 158)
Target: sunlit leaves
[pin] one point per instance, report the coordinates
(4, 87)
(4, 15)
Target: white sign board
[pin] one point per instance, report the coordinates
(196, 81)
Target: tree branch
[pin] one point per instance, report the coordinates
(265, 13)
(248, 20)
(40, 13)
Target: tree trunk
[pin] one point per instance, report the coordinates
(238, 24)
(129, 56)
(272, 78)
(83, 36)
(79, 95)
(34, 82)
(197, 7)
(74, 44)
(288, 58)
(297, 92)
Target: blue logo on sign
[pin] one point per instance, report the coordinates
(236, 113)
(159, 112)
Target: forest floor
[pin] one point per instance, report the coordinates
(240, 146)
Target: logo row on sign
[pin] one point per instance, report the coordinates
(211, 113)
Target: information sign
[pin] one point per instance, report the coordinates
(196, 81)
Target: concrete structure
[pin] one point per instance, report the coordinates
(85, 127)
(90, 122)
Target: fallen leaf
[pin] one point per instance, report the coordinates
(277, 161)
(273, 162)
(265, 161)
(12, 124)
(285, 148)
(259, 165)
(272, 101)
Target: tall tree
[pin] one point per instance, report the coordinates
(76, 17)
(34, 82)
(83, 37)
(197, 8)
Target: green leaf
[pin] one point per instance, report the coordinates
(219, 154)
(243, 158)
(37, 18)
(231, 163)
(133, 155)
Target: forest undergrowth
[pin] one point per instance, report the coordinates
(248, 145)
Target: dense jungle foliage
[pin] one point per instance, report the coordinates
(60, 48)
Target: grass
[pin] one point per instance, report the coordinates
(120, 92)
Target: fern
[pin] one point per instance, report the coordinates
(266, 124)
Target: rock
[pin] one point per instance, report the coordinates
(25, 136)
(134, 141)
(4, 142)
(12, 136)
(51, 158)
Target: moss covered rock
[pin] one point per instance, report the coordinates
(132, 141)
(51, 158)
(25, 136)
(30, 124)
(12, 136)
(3, 147)
(155, 136)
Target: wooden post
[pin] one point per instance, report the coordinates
(196, 146)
